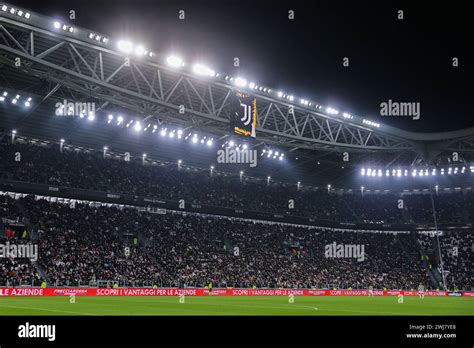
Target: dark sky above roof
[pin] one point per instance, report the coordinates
(406, 60)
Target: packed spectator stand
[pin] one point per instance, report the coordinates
(86, 244)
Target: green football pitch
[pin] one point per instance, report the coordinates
(208, 305)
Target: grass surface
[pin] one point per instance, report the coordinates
(208, 305)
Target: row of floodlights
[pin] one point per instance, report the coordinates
(124, 46)
(273, 154)
(203, 70)
(198, 68)
(414, 172)
(13, 11)
(15, 100)
(171, 133)
(65, 27)
(371, 123)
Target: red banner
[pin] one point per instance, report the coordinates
(215, 292)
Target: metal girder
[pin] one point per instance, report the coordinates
(154, 89)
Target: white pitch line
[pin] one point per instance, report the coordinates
(47, 310)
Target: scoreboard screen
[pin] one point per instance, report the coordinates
(244, 117)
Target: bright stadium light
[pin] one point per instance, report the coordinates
(174, 61)
(209, 142)
(28, 102)
(332, 111)
(163, 132)
(125, 46)
(240, 82)
(280, 94)
(203, 70)
(4, 8)
(139, 50)
(138, 126)
(91, 116)
(57, 25)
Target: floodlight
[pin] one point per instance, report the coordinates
(203, 70)
(138, 127)
(125, 46)
(139, 50)
(280, 94)
(174, 61)
(332, 111)
(241, 82)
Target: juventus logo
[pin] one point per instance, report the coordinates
(247, 114)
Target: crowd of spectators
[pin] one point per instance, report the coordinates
(89, 170)
(83, 244)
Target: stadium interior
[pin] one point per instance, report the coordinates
(132, 193)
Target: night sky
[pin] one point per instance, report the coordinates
(407, 60)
